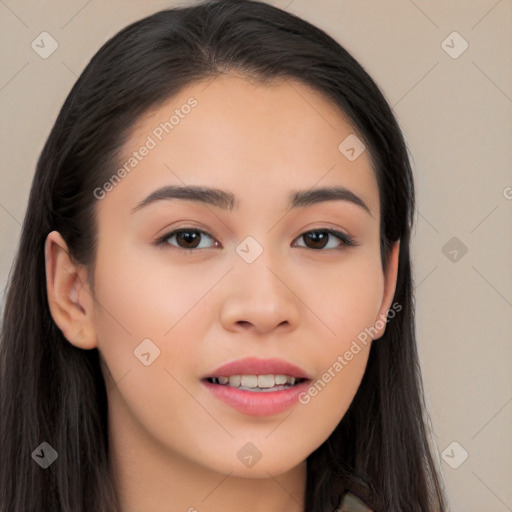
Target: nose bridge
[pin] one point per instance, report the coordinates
(256, 265)
(259, 295)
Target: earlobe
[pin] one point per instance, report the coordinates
(390, 280)
(68, 296)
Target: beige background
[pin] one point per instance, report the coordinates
(456, 115)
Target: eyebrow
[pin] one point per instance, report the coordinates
(226, 200)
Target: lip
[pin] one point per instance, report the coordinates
(256, 366)
(258, 403)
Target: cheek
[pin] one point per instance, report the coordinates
(126, 313)
(145, 367)
(139, 299)
(150, 314)
(348, 306)
(346, 298)
(329, 396)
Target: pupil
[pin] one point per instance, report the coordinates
(189, 236)
(319, 238)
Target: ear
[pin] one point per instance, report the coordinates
(389, 291)
(69, 297)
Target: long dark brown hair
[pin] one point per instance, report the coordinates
(54, 392)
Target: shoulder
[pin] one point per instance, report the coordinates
(351, 503)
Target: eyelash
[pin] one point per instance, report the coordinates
(345, 239)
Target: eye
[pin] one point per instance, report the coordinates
(320, 239)
(189, 237)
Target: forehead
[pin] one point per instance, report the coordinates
(237, 133)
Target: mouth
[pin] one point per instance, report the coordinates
(258, 387)
(257, 383)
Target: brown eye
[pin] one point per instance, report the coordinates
(191, 238)
(320, 239)
(186, 238)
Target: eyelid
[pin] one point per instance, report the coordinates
(162, 240)
(345, 239)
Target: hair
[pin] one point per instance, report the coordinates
(55, 392)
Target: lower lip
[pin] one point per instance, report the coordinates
(258, 403)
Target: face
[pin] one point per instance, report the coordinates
(184, 286)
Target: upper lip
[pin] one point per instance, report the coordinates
(256, 366)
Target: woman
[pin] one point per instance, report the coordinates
(211, 305)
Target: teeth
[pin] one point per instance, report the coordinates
(280, 380)
(249, 381)
(265, 381)
(255, 381)
(234, 381)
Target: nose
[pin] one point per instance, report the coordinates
(260, 298)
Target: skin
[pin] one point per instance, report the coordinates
(172, 442)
